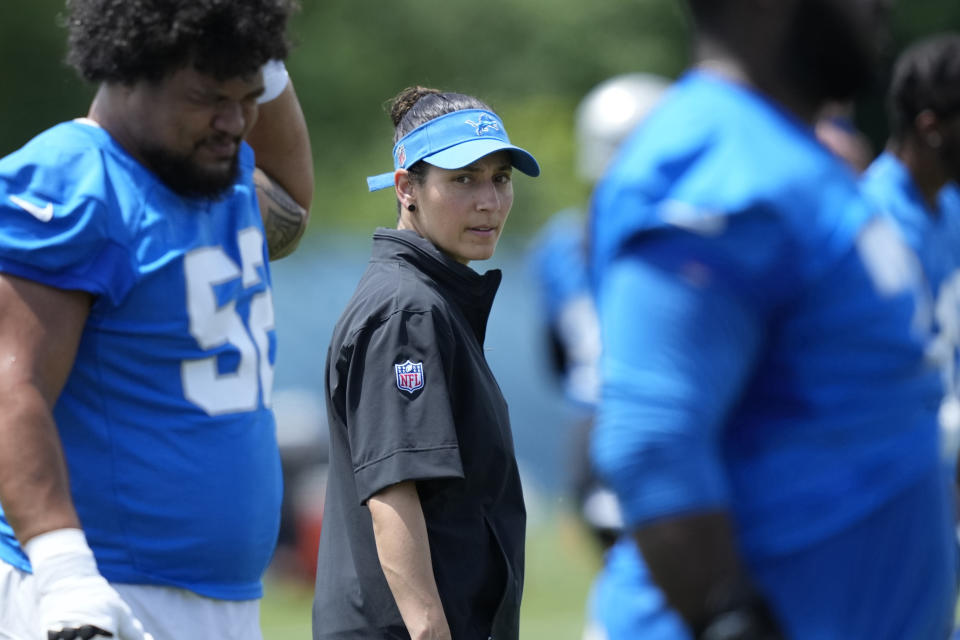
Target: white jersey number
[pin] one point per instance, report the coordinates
(213, 325)
(895, 270)
(947, 315)
(945, 351)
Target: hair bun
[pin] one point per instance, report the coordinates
(405, 100)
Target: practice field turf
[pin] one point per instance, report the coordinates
(560, 565)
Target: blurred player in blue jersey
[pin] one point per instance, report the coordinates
(558, 253)
(910, 182)
(139, 472)
(768, 417)
(606, 115)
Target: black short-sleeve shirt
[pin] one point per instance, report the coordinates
(410, 397)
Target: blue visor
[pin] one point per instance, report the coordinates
(452, 141)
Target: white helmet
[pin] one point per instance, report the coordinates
(608, 113)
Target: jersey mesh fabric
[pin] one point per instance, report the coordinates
(737, 228)
(933, 236)
(165, 419)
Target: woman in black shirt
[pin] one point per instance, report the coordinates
(424, 519)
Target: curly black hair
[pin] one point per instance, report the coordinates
(129, 40)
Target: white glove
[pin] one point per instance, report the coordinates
(75, 601)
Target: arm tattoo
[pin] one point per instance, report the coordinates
(283, 219)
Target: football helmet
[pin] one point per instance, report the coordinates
(608, 113)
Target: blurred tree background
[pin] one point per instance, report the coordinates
(532, 60)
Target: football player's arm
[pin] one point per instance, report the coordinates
(40, 330)
(284, 176)
(404, 551)
(678, 350)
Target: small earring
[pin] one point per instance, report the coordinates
(411, 207)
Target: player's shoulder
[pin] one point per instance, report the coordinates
(950, 198)
(724, 162)
(66, 164)
(885, 177)
(754, 148)
(80, 139)
(715, 149)
(888, 184)
(889, 187)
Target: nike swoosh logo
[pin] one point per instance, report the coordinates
(43, 214)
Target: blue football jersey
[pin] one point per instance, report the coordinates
(557, 259)
(935, 238)
(932, 235)
(165, 418)
(623, 605)
(950, 197)
(764, 335)
(558, 263)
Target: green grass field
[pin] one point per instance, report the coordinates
(560, 565)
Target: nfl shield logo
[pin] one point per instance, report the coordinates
(409, 376)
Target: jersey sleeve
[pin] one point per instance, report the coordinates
(56, 226)
(682, 317)
(399, 418)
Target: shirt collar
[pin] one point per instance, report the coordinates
(473, 292)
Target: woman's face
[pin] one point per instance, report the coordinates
(462, 211)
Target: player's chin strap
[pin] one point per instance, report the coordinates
(74, 600)
(741, 615)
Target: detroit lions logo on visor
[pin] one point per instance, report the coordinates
(409, 376)
(483, 124)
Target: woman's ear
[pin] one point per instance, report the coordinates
(406, 189)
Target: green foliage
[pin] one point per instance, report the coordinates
(38, 88)
(918, 18)
(532, 60)
(285, 610)
(561, 562)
